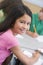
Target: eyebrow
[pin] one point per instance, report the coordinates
(25, 21)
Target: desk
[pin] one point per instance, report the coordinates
(31, 44)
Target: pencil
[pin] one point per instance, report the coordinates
(34, 28)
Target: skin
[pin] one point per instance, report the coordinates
(20, 27)
(32, 34)
(21, 24)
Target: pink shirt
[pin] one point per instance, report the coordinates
(7, 41)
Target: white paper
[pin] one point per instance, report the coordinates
(39, 62)
(27, 53)
(40, 38)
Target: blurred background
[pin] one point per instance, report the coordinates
(34, 5)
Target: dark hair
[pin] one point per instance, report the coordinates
(28, 11)
(6, 5)
(15, 13)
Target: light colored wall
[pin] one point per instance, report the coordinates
(33, 7)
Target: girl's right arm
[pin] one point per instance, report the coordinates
(23, 58)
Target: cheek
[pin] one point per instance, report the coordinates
(19, 25)
(16, 27)
(28, 27)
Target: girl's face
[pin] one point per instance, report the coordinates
(22, 24)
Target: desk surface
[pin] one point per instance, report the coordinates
(31, 44)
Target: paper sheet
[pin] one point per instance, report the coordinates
(27, 53)
(39, 62)
(40, 38)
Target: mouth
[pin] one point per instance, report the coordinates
(22, 30)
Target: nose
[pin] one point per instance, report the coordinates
(25, 26)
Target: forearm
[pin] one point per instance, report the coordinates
(23, 58)
(34, 59)
(28, 60)
(32, 34)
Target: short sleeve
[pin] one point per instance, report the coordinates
(12, 42)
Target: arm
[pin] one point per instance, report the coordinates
(32, 34)
(23, 58)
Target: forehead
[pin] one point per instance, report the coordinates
(25, 17)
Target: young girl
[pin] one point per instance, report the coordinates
(17, 22)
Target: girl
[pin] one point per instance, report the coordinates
(16, 22)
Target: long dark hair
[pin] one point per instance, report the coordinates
(15, 13)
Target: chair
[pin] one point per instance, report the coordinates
(7, 60)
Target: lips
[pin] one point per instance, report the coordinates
(23, 30)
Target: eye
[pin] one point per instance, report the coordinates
(21, 21)
(28, 23)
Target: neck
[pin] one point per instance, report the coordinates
(13, 31)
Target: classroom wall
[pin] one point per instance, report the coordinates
(34, 8)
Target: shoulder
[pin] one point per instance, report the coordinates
(10, 39)
(7, 35)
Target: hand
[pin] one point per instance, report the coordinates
(40, 50)
(36, 54)
(35, 57)
(35, 35)
(32, 34)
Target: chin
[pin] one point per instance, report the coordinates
(20, 33)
